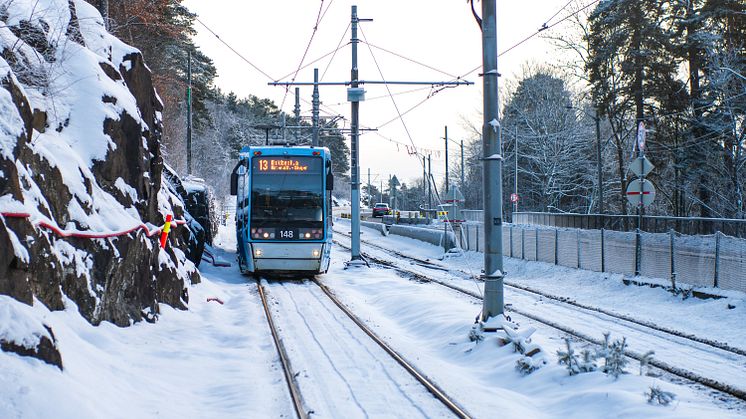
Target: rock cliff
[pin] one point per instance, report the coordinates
(80, 154)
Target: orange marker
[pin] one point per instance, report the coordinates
(166, 229)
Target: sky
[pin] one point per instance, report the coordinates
(441, 34)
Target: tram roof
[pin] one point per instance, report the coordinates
(283, 150)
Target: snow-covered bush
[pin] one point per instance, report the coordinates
(526, 365)
(476, 334)
(569, 358)
(656, 395)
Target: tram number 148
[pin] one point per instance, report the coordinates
(287, 234)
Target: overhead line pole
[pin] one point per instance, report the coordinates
(446, 138)
(492, 163)
(316, 103)
(355, 95)
(296, 112)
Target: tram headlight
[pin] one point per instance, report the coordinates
(316, 253)
(258, 252)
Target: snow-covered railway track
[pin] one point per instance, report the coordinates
(717, 368)
(336, 366)
(519, 287)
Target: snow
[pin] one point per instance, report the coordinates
(218, 360)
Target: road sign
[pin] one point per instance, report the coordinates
(641, 136)
(641, 166)
(640, 191)
(514, 197)
(394, 182)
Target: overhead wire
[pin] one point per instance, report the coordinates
(308, 47)
(234, 50)
(339, 45)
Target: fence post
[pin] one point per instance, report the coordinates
(523, 243)
(476, 227)
(673, 259)
(536, 248)
(556, 242)
(603, 252)
(717, 257)
(577, 239)
(511, 241)
(468, 238)
(638, 251)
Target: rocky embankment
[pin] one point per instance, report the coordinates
(80, 154)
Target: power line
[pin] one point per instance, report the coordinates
(413, 61)
(335, 51)
(543, 28)
(234, 50)
(308, 46)
(310, 63)
(388, 89)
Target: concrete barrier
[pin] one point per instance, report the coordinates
(424, 234)
(376, 226)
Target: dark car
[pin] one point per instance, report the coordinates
(381, 209)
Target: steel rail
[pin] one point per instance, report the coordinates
(419, 376)
(295, 395)
(680, 372)
(673, 332)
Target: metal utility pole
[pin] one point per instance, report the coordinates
(296, 112)
(354, 95)
(446, 137)
(189, 114)
(429, 186)
(462, 166)
(424, 177)
(493, 216)
(370, 192)
(315, 112)
(380, 191)
(515, 181)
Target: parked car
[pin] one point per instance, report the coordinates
(381, 209)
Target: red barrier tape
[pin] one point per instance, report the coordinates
(216, 299)
(85, 235)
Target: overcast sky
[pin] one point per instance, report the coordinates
(442, 34)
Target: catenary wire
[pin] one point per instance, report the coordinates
(234, 50)
(305, 53)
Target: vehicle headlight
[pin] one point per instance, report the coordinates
(258, 252)
(316, 253)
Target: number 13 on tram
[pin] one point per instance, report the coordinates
(283, 209)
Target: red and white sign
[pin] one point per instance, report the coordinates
(514, 197)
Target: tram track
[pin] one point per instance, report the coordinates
(301, 405)
(733, 355)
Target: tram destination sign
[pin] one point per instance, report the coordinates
(285, 165)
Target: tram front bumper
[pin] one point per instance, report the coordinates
(287, 256)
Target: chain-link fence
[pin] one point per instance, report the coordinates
(715, 260)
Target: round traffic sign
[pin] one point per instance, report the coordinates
(514, 197)
(640, 192)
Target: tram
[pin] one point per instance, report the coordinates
(283, 209)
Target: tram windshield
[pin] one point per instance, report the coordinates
(287, 191)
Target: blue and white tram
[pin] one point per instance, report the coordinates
(283, 209)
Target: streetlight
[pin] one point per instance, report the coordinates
(597, 120)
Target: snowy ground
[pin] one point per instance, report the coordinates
(218, 360)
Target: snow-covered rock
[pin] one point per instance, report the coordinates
(80, 151)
